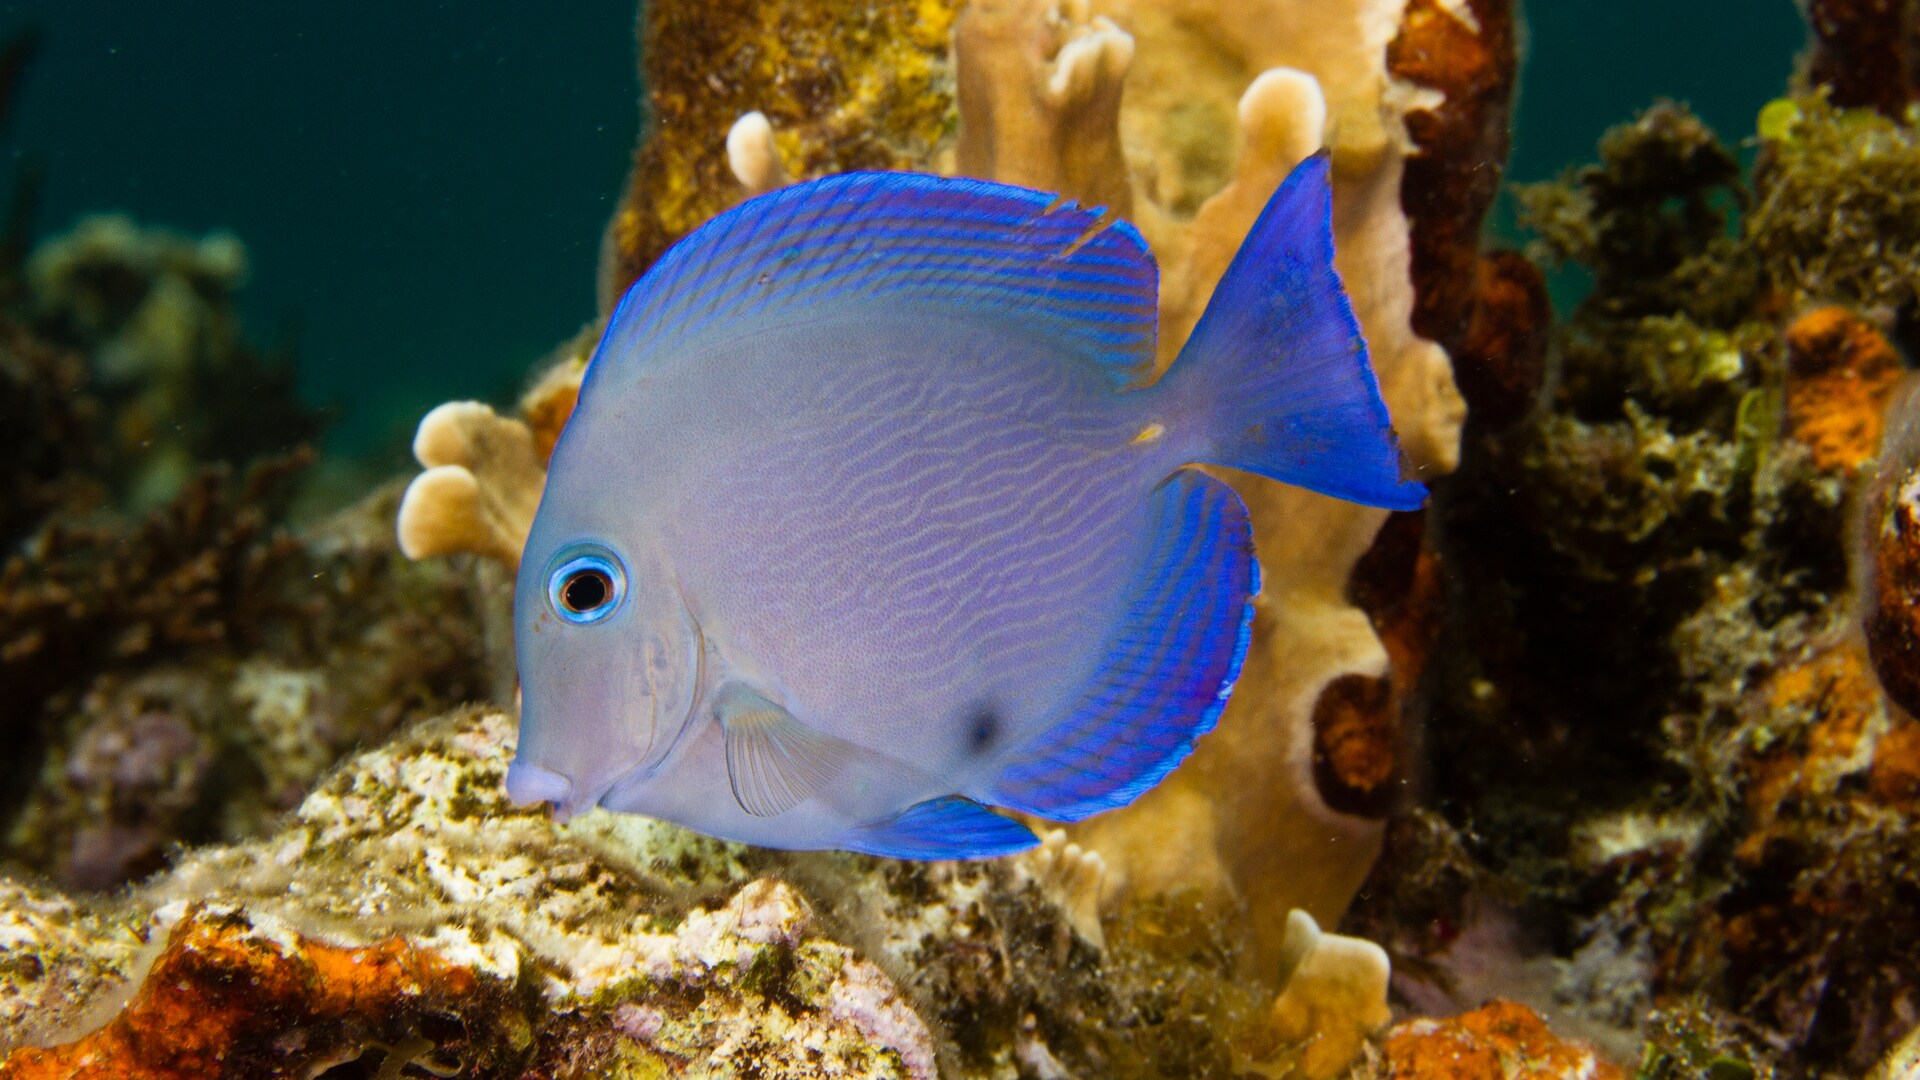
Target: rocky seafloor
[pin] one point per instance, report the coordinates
(1604, 764)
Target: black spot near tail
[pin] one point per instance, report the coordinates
(983, 729)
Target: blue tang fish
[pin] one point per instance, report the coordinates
(872, 516)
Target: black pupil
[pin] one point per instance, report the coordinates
(586, 590)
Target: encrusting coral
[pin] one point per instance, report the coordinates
(1498, 1041)
(844, 86)
(1841, 374)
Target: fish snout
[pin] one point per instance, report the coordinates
(528, 784)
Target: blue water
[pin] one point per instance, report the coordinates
(422, 186)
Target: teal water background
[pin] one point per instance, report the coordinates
(422, 186)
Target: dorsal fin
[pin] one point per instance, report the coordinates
(774, 761)
(899, 240)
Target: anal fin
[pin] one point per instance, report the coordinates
(774, 761)
(945, 828)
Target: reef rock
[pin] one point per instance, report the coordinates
(408, 910)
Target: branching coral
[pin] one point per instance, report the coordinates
(1247, 805)
(485, 472)
(1039, 98)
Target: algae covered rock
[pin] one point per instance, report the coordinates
(187, 678)
(407, 910)
(1659, 722)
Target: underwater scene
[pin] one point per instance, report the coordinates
(1000, 539)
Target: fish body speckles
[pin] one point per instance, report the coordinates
(865, 521)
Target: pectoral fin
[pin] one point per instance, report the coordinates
(774, 761)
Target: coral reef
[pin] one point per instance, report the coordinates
(1662, 617)
(407, 909)
(1718, 812)
(189, 678)
(176, 664)
(153, 312)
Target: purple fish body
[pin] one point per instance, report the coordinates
(870, 516)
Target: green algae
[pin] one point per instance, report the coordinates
(1838, 214)
(1693, 1042)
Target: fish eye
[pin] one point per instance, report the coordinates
(587, 587)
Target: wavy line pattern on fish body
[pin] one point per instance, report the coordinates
(881, 448)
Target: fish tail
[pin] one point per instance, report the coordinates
(1275, 376)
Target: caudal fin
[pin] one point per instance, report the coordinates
(1276, 372)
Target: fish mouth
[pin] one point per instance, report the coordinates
(529, 784)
